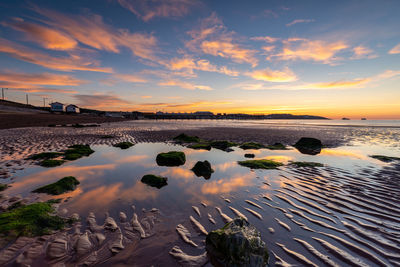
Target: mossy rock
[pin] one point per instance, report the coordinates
(184, 138)
(309, 145)
(223, 145)
(386, 159)
(77, 151)
(204, 146)
(49, 163)
(260, 164)
(123, 145)
(154, 180)
(277, 146)
(30, 220)
(3, 187)
(46, 155)
(249, 155)
(203, 169)
(172, 158)
(306, 164)
(63, 185)
(236, 244)
(251, 145)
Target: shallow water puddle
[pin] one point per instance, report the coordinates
(347, 209)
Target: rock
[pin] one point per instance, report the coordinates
(203, 169)
(57, 248)
(308, 145)
(123, 145)
(172, 158)
(236, 244)
(223, 145)
(154, 180)
(249, 155)
(63, 185)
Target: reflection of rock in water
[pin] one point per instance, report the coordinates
(72, 247)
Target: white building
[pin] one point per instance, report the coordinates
(72, 109)
(57, 107)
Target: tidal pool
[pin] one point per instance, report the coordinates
(347, 210)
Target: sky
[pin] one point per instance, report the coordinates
(328, 58)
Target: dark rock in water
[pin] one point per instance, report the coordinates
(204, 146)
(203, 168)
(309, 145)
(236, 244)
(249, 155)
(186, 138)
(251, 145)
(172, 158)
(48, 163)
(78, 151)
(223, 145)
(63, 185)
(154, 180)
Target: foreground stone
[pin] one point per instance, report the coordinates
(309, 145)
(184, 138)
(203, 169)
(236, 244)
(63, 185)
(154, 180)
(172, 158)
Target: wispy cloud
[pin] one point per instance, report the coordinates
(74, 61)
(131, 78)
(40, 79)
(268, 75)
(297, 21)
(395, 50)
(213, 38)
(189, 64)
(194, 104)
(150, 9)
(89, 29)
(314, 50)
(267, 39)
(361, 52)
(185, 85)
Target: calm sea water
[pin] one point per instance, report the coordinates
(347, 210)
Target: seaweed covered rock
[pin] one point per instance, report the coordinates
(30, 220)
(236, 244)
(309, 145)
(249, 155)
(172, 158)
(154, 180)
(251, 145)
(184, 138)
(203, 169)
(123, 145)
(48, 163)
(260, 164)
(277, 146)
(63, 185)
(46, 155)
(77, 151)
(386, 159)
(223, 145)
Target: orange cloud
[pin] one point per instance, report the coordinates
(90, 30)
(304, 49)
(185, 85)
(363, 52)
(40, 79)
(73, 62)
(226, 186)
(213, 38)
(46, 37)
(395, 50)
(268, 75)
(150, 9)
(130, 78)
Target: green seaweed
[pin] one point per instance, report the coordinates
(251, 145)
(184, 138)
(385, 158)
(172, 158)
(277, 146)
(123, 145)
(260, 164)
(48, 163)
(204, 146)
(3, 187)
(63, 185)
(46, 155)
(30, 220)
(306, 164)
(222, 145)
(154, 180)
(77, 151)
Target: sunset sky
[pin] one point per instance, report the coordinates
(328, 58)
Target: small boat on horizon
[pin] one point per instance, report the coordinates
(345, 119)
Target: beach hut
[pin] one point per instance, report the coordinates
(57, 107)
(72, 109)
